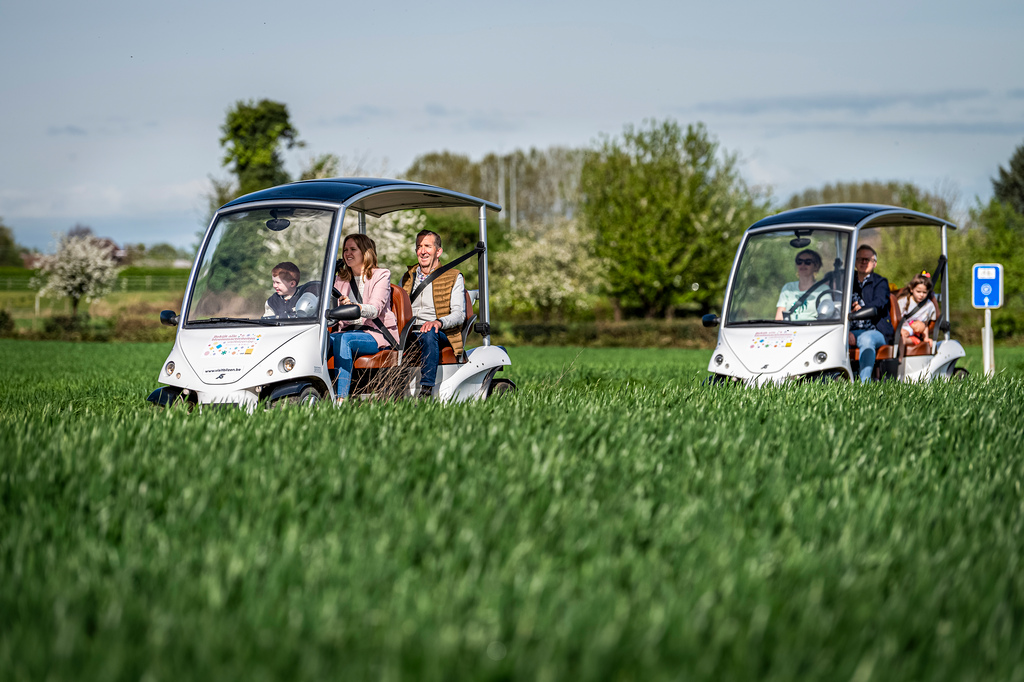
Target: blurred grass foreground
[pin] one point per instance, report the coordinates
(615, 519)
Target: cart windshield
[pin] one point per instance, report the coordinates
(262, 267)
(790, 277)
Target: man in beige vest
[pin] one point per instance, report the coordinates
(440, 308)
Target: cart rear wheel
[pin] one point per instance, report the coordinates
(500, 387)
(959, 374)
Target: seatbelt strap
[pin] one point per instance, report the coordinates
(375, 321)
(480, 248)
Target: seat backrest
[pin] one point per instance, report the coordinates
(467, 325)
(894, 312)
(402, 306)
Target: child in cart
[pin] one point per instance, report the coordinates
(285, 278)
(916, 309)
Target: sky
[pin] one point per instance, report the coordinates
(112, 110)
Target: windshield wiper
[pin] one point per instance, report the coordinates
(239, 320)
(743, 322)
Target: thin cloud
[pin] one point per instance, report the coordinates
(489, 123)
(1016, 93)
(857, 104)
(439, 111)
(919, 128)
(358, 116)
(66, 130)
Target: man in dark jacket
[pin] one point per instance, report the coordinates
(870, 291)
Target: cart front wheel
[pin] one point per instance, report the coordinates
(308, 396)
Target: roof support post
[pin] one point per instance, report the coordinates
(362, 222)
(485, 292)
(945, 280)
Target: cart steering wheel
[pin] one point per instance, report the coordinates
(817, 301)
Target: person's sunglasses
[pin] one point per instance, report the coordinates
(804, 261)
(865, 260)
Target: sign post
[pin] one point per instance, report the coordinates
(987, 293)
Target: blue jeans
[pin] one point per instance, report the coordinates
(868, 342)
(430, 354)
(347, 346)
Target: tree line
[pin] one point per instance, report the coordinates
(644, 223)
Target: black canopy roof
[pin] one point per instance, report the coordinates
(851, 215)
(381, 195)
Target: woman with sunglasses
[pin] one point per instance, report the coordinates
(808, 263)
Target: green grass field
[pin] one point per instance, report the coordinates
(613, 520)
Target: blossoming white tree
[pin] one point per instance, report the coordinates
(395, 235)
(548, 269)
(81, 268)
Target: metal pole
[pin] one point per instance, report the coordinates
(945, 281)
(362, 222)
(485, 292)
(987, 343)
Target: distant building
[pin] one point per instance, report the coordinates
(30, 259)
(116, 253)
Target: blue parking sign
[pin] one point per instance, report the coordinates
(987, 285)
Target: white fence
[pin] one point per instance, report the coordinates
(140, 283)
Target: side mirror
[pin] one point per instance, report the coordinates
(169, 318)
(344, 313)
(864, 314)
(944, 326)
(710, 320)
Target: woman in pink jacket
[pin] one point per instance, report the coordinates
(362, 336)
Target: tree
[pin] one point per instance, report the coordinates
(10, 252)
(253, 135)
(221, 192)
(1002, 242)
(1009, 186)
(941, 203)
(320, 167)
(534, 187)
(81, 268)
(448, 170)
(666, 212)
(395, 235)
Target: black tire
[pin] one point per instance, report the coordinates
(500, 387)
(308, 396)
(959, 374)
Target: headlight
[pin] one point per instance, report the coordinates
(288, 364)
(820, 357)
(719, 359)
(169, 369)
